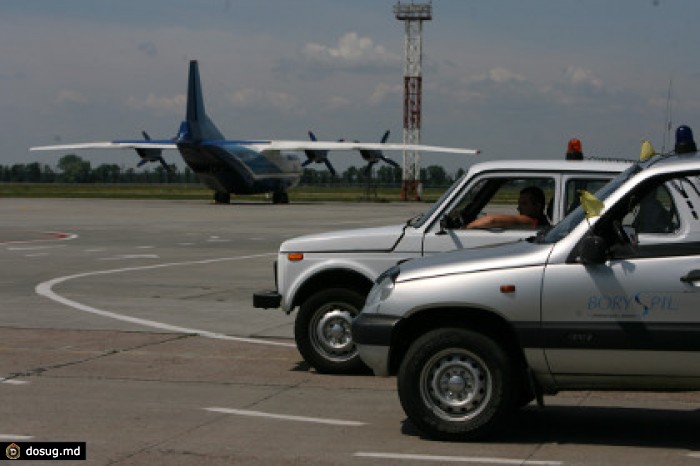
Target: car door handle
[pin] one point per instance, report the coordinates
(693, 276)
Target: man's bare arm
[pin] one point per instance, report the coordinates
(502, 221)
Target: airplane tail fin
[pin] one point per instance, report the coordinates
(197, 125)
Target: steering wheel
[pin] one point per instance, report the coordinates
(620, 232)
(451, 221)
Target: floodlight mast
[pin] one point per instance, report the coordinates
(412, 15)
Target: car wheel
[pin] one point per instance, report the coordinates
(456, 384)
(323, 331)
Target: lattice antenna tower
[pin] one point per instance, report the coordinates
(413, 15)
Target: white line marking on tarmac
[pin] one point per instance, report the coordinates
(455, 459)
(14, 382)
(56, 236)
(15, 437)
(46, 289)
(316, 420)
(694, 454)
(34, 248)
(130, 256)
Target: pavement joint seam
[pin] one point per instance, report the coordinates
(41, 370)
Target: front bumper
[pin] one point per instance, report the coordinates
(372, 336)
(267, 299)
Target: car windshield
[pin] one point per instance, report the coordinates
(568, 223)
(419, 220)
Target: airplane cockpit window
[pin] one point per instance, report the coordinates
(498, 195)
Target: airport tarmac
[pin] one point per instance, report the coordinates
(129, 325)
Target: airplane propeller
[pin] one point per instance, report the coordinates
(317, 156)
(151, 155)
(374, 156)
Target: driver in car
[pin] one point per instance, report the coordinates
(531, 204)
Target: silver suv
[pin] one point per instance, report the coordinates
(597, 302)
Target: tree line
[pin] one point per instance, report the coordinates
(73, 169)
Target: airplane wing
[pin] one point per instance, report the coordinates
(165, 144)
(261, 146)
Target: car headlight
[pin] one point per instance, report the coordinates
(383, 286)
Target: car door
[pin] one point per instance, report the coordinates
(635, 317)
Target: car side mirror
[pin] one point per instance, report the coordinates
(593, 250)
(444, 224)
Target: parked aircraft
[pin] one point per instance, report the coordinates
(239, 166)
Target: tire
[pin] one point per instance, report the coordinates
(279, 197)
(457, 384)
(222, 197)
(323, 333)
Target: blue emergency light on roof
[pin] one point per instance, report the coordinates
(685, 142)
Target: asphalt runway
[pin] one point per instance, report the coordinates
(129, 325)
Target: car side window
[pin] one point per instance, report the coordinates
(574, 185)
(655, 212)
(497, 195)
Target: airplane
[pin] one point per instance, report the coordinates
(238, 166)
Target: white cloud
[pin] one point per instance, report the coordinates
(264, 99)
(335, 102)
(384, 91)
(174, 104)
(495, 86)
(498, 75)
(350, 51)
(68, 97)
(582, 77)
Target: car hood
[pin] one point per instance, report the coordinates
(516, 254)
(358, 239)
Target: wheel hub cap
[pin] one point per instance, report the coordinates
(334, 331)
(456, 385)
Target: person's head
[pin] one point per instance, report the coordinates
(531, 201)
(685, 142)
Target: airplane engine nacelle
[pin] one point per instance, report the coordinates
(371, 156)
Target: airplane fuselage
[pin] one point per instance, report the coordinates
(234, 168)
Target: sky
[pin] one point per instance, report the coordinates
(516, 79)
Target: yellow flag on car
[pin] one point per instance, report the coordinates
(591, 204)
(647, 151)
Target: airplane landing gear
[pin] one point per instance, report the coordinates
(279, 197)
(222, 198)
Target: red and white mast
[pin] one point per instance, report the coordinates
(412, 15)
